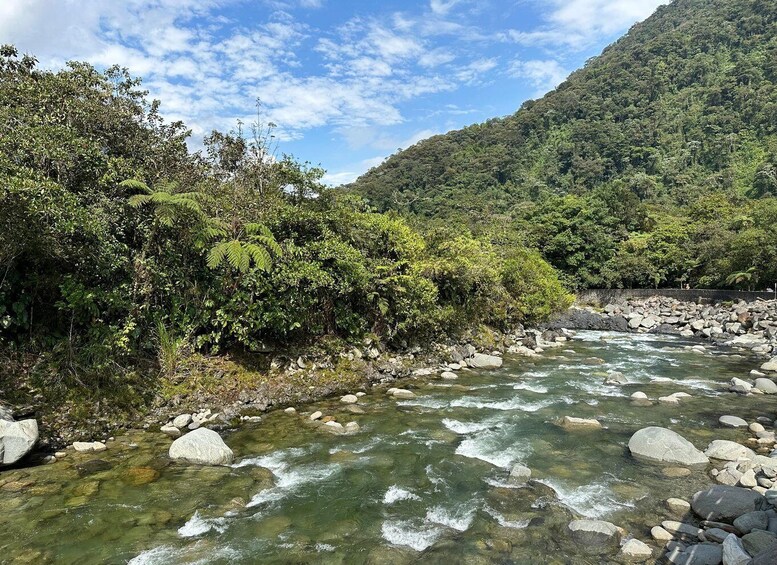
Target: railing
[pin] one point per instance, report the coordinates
(701, 296)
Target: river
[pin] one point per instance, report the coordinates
(424, 481)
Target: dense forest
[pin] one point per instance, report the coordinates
(654, 165)
(120, 249)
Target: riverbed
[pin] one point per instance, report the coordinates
(425, 480)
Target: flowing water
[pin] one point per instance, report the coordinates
(424, 481)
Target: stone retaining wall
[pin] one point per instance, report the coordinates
(601, 297)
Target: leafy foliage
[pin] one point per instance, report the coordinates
(119, 249)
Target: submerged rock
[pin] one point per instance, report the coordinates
(16, 439)
(660, 445)
(202, 447)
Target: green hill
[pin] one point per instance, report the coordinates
(642, 168)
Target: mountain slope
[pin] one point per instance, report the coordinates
(684, 104)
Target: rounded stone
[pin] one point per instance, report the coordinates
(660, 445)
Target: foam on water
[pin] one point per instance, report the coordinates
(459, 519)
(493, 447)
(592, 501)
(196, 554)
(289, 476)
(539, 389)
(411, 534)
(197, 525)
(505, 405)
(464, 428)
(424, 403)
(396, 493)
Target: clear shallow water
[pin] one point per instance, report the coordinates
(425, 481)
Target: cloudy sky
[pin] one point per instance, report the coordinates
(347, 82)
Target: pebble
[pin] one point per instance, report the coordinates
(316, 415)
(349, 399)
(678, 505)
(290, 410)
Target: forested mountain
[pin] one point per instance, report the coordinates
(655, 164)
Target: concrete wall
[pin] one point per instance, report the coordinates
(609, 296)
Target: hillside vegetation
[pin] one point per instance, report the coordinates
(655, 164)
(120, 250)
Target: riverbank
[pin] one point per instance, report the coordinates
(434, 475)
(233, 389)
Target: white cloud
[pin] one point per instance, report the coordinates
(356, 170)
(578, 23)
(544, 75)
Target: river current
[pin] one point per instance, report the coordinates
(424, 481)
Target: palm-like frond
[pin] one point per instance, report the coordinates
(257, 249)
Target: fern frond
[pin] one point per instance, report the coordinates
(259, 254)
(139, 200)
(135, 184)
(217, 254)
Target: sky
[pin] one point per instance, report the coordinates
(346, 82)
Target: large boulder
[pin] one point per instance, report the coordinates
(594, 535)
(725, 450)
(660, 445)
(483, 361)
(766, 385)
(722, 503)
(16, 439)
(770, 365)
(203, 447)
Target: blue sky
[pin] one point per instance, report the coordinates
(346, 82)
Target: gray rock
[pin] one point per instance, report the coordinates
(660, 445)
(349, 399)
(765, 385)
(748, 479)
(89, 446)
(757, 520)
(16, 439)
(680, 528)
(449, 375)
(170, 430)
(715, 535)
(766, 557)
(6, 413)
(734, 552)
(571, 423)
(635, 551)
(678, 505)
(203, 447)
(403, 394)
(182, 421)
(701, 554)
(616, 378)
(758, 541)
(594, 535)
(483, 361)
(724, 503)
(740, 386)
(732, 422)
(519, 474)
(728, 451)
(770, 365)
